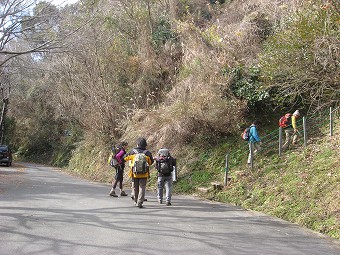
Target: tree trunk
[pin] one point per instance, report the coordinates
(2, 120)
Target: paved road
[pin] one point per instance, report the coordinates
(44, 211)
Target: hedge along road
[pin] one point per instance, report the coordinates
(45, 211)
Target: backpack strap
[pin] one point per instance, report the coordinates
(136, 151)
(250, 134)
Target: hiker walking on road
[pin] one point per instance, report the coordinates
(254, 140)
(140, 161)
(165, 164)
(290, 128)
(117, 161)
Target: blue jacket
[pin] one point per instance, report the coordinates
(254, 137)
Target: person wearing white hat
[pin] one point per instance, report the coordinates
(291, 131)
(254, 140)
(165, 165)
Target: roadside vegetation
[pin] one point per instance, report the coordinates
(189, 75)
(301, 186)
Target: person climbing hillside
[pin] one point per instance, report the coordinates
(288, 124)
(140, 161)
(253, 139)
(116, 161)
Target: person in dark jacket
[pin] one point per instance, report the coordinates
(165, 164)
(139, 179)
(119, 170)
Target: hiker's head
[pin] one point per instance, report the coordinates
(296, 113)
(141, 142)
(124, 144)
(163, 152)
(255, 122)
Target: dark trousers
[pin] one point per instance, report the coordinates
(118, 177)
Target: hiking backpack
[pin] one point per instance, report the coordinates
(140, 164)
(246, 134)
(285, 120)
(164, 165)
(112, 159)
(164, 162)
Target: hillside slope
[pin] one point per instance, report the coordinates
(301, 186)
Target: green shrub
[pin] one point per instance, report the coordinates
(246, 85)
(162, 33)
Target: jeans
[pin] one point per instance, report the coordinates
(164, 181)
(118, 177)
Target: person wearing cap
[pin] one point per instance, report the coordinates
(165, 165)
(291, 131)
(119, 169)
(254, 140)
(139, 179)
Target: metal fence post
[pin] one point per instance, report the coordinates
(226, 170)
(304, 131)
(330, 121)
(280, 141)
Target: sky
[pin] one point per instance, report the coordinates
(63, 2)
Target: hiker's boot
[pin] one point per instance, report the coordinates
(168, 203)
(113, 193)
(122, 193)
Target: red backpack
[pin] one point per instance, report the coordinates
(285, 121)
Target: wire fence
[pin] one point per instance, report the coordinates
(310, 127)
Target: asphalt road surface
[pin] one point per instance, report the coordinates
(45, 211)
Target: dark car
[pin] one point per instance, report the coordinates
(5, 155)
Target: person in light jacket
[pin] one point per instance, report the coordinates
(291, 131)
(255, 140)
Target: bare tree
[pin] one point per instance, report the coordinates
(5, 91)
(27, 28)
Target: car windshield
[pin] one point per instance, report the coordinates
(3, 148)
